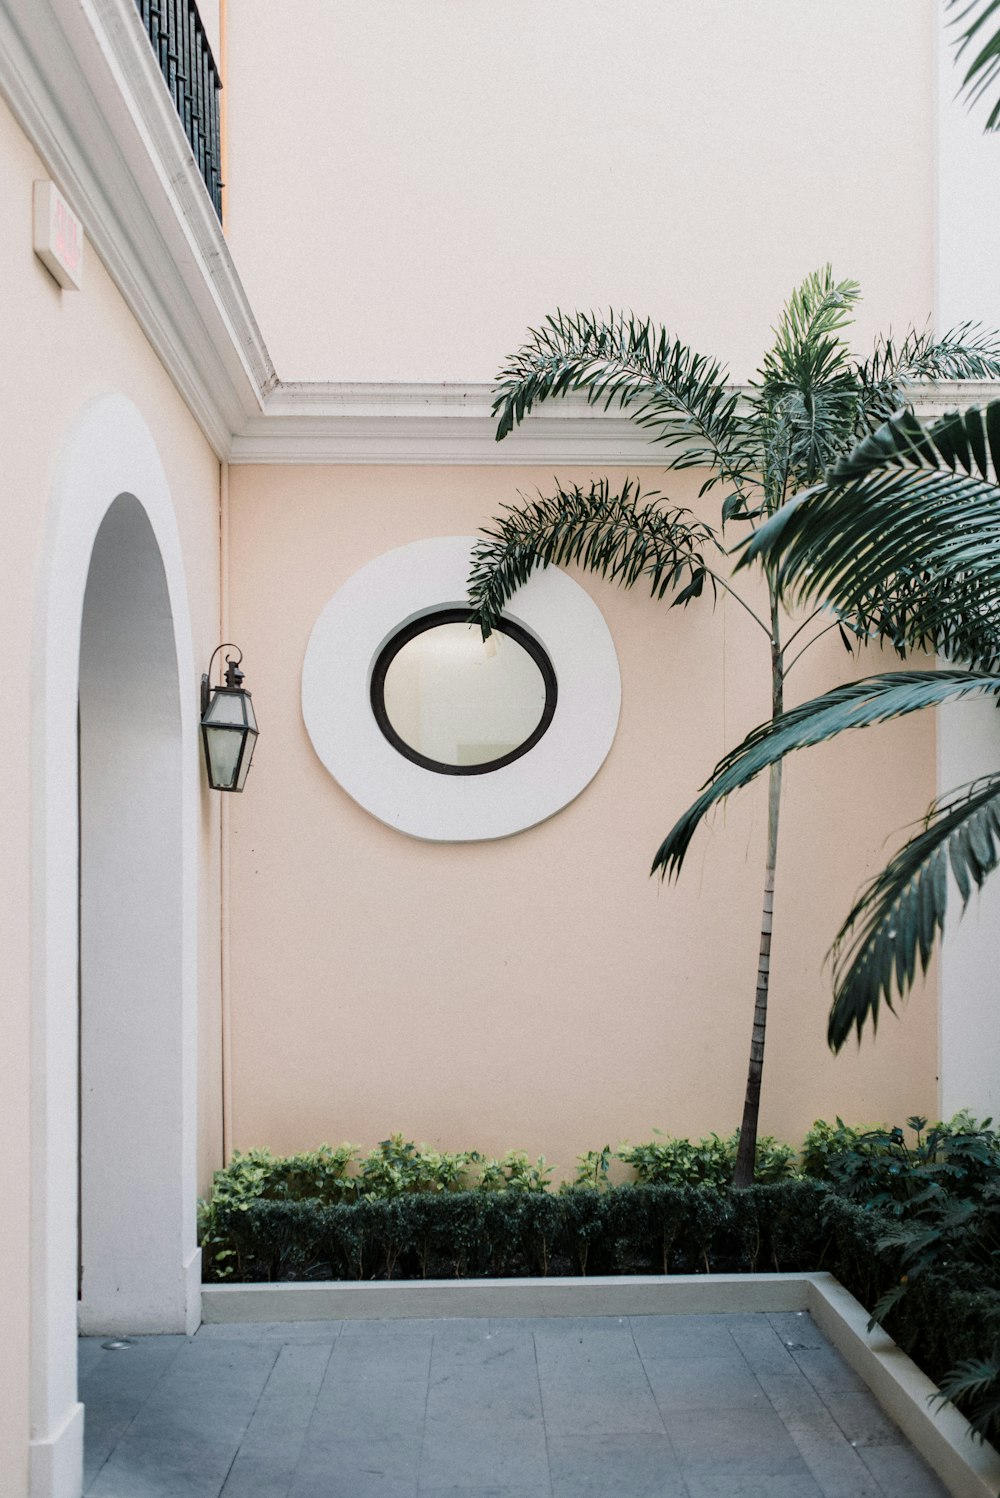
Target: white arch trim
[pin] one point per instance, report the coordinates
(108, 452)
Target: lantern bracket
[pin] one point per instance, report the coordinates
(234, 676)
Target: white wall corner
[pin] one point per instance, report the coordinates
(966, 287)
(56, 1463)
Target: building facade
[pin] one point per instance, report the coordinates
(227, 422)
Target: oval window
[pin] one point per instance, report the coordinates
(456, 703)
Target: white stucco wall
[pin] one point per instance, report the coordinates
(967, 287)
(411, 186)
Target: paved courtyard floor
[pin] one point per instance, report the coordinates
(727, 1406)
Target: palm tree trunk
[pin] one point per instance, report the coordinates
(747, 1151)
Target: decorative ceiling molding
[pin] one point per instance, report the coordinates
(85, 86)
(452, 424)
(83, 83)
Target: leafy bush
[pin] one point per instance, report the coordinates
(317, 1176)
(515, 1172)
(960, 1158)
(666, 1161)
(941, 1197)
(397, 1165)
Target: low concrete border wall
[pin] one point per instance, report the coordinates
(967, 1468)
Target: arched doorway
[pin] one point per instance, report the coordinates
(131, 1068)
(114, 881)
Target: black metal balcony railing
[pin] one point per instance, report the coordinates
(186, 62)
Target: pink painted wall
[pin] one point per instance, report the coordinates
(541, 991)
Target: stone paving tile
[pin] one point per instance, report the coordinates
(182, 1443)
(595, 1385)
(901, 1473)
(703, 1383)
(567, 1414)
(747, 1443)
(828, 1453)
(269, 1452)
(628, 1466)
(763, 1348)
(118, 1384)
(828, 1373)
(400, 1326)
(683, 1336)
(270, 1331)
(384, 1358)
(736, 1486)
(367, 1408)
(862, 1421)
(477, 1453)
(498, 1376)
(344, 1456)
(489, 1492)
(797, 1327)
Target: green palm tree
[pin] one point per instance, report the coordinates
(810, 403)
(903, 538)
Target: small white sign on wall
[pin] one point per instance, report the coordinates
(58, 236)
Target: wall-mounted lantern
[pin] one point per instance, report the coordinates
(228, 725)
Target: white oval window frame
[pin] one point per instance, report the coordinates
(381, 599)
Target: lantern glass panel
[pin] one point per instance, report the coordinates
(226, 707)
(223, 747)
(244, 765)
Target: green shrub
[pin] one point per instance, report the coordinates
(515, 1172)
(398, 1165)
(593, 1170)
(960, 1158)
(666, 1161)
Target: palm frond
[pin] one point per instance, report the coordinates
(807, 389)
(966, 352)
(910, 517)
(629, 362)
(627, 537)
(858, 704)
(898, 917)
(984, 67)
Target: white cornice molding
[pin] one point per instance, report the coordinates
(452, 424)
(82, 81)
(423, 423)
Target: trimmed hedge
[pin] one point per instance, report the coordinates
(798, 1224)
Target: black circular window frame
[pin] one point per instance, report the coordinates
(420, 626)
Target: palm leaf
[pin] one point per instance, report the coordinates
(911, 516)
(808, 385)
(858, 704)
(966, 352)
(984, 66)
(625, 361)
(626, 536)
(895, 923)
